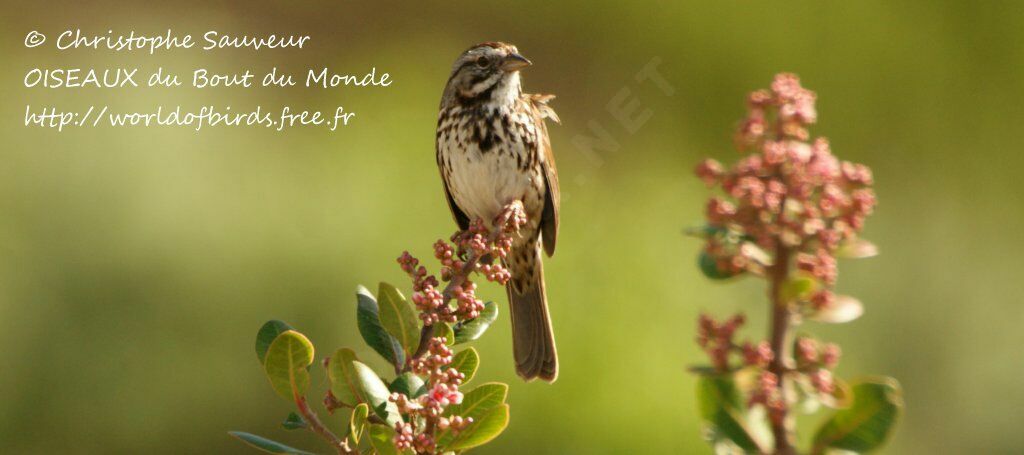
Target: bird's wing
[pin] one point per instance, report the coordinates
(460, 217)
(549, 217)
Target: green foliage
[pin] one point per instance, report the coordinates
(352, 382)
(391, 328)
(373, 333)
(844, 309)
(478, 401)
(285, 364)
(376, 394)
(267, 334)
(710, 268)
(466, 362)
(294, 422)
(266, 445)
(343, 378)
(399, 318)
(856, 249)
(705, 231)
(721, 407)
(473, 329)
(757, 253)
(484, 429)
(443, 330)
(841, 397)
(381, 437)
(797, 288)
(867, 423)
(407, 383)
(486, 406)
(358, 421)
(811, 400)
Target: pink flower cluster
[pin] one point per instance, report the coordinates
(716, 339)
(767, 393)
(813, 360)
(425, 413)
(477, 246)
(787, 209)
(790, 192)
(476, 249)
(817, 362)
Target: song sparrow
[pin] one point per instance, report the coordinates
(493, 149)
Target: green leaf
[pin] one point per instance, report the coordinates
(704, 232)
(408, 384)
(797, 288)
(807, 398)
(843, 309)
(266, 335)
(466, 362)
(368, 320)
(382, 440)
(376, 393)
(472, 329)
(352, 382)
(285, 364)
(703, 370)
(265, 444)
(480, 400)
(399, 318)
(476, 404)
(866, 424)
(481, 431)
(710, 268)
(715, 391)
(443, 330)
(856, 249)
(344, 382)
(720, 404)
(357, 423)
(757, 253)
(293, 422)
(841, 396)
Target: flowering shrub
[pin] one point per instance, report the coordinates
(789, 209)
(422, 409)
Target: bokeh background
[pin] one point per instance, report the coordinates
(137, 264)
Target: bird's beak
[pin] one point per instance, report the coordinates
(514, 62)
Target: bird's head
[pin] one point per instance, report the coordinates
(487, 71)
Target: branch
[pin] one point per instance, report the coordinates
(458, 279)
(318, 427)
(779, 335)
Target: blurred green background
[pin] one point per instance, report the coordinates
(137, 264)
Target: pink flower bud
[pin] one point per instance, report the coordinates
(759, 355)
(709, 171)
(822, 381)
(830, 355)
(806, 351)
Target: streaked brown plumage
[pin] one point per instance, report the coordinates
(492, 149)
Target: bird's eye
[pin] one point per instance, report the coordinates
(483, 62)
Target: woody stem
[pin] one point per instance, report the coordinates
(781, 319)
(318, 427)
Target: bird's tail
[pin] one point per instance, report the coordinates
(533, 342)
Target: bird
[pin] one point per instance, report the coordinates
(493, 149)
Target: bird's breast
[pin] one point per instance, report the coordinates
(489, 161)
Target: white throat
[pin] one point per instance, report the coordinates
(508, 89)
